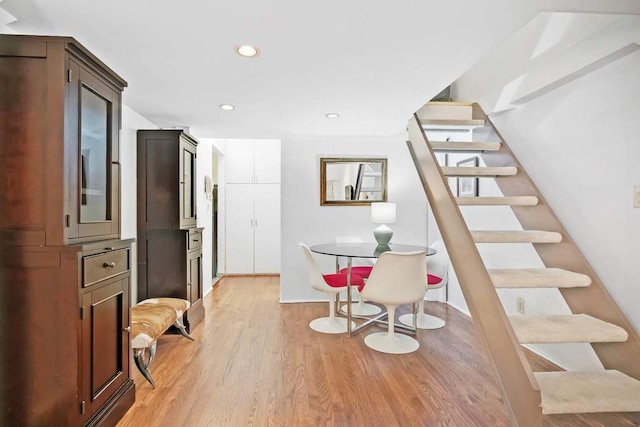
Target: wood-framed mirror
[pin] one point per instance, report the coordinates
(352, 181)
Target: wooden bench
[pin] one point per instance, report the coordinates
(150, 319)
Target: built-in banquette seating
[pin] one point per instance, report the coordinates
(149, 320)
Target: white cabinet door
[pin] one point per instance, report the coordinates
(239, 161)
(252, 206)
(239, 229)
(267, 228)
(267, 161)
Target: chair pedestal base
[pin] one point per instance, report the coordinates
(330, 325)
(362, 309)
(424, 321)
(392, 344)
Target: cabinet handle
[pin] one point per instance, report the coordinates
(108, 249)
(127, 329)
(109, 265)
(195, 240)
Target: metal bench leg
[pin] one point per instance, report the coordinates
(143, 366)
(182, 329)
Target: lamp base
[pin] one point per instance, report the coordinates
(383, 234)
(380, 249)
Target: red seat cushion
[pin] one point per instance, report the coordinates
(433, 280)
(362, 271)
(340, 280)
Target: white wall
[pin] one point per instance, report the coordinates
(304, 220)
(580, 145)
(131, 122)
(205, 211)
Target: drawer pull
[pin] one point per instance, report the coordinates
(127, 329)
(108, 249)
(195, 240)
(109, 265)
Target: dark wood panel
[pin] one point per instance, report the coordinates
(105, 343)
(31, 259)
(107, 328)
(166, 264)
(38, 354)
(158, 190)
(22, 144)
(22, 238)
(29, 48)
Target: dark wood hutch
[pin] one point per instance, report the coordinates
(64, 271)
(169, 242)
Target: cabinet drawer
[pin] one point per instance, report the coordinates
(195, 240)
(105, 265)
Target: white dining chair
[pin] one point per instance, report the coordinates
(332, 285)
(396, 279)
(437, 277)
(362, 267)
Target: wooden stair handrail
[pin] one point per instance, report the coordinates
(519, 387)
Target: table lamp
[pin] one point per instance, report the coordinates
(383, 213)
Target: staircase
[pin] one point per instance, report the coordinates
(595, 318)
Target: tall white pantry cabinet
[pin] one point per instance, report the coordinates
(252, 207)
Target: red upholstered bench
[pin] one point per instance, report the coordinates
(150, 319)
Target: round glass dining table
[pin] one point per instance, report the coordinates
(363, 250)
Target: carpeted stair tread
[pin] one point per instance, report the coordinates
(452, 122)
(537, 278)
(516, 236)
(479, 171)
(449, 111)
(458, 146)
(572, 328)
(497, 201)
(588, 392)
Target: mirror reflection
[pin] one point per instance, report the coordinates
(347, 181)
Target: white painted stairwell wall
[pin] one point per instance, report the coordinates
(578, 142)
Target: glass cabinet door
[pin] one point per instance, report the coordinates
(95, 162)
(93, 172)
(187, 184)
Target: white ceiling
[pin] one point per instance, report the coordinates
(374, 62)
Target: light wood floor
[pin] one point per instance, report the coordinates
(256, 362)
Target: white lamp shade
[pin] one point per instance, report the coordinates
(383, 213)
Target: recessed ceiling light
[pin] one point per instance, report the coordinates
(247, 51)
(332, 115)
(227, 107)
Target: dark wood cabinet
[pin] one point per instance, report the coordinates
(194, 275)
(104, 317)
(166, 180)
(64, 273)
(169, 244)
(59, 143)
